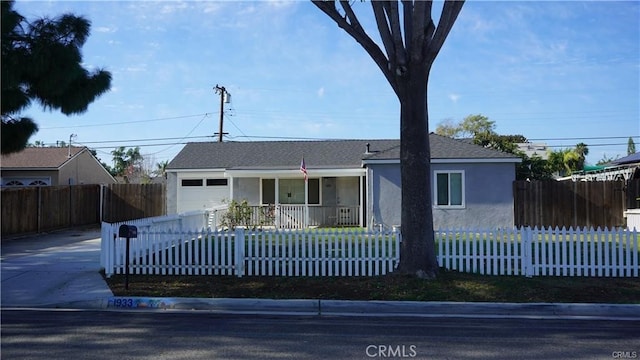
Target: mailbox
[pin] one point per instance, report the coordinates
(128, 231)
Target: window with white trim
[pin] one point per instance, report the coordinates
(290, 191)
(449, 189)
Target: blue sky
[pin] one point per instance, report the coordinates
(556, 72)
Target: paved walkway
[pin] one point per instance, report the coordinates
(61, 270)
(50, 269)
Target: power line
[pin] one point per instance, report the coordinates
(588, 145)
(142, 140)
(322, 138)
(189, 133)
(586, 138)
(125, 122)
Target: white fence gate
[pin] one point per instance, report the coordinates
(364, 252)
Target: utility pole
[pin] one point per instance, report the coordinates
(224, 97)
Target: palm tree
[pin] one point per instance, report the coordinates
(582, 151)
(161, 168)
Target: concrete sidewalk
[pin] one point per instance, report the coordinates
(61, 270)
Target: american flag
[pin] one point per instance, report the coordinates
(303, 169)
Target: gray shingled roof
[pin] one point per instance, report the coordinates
(334, 154)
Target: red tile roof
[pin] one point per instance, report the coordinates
(39, 157)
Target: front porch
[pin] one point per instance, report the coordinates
(286, 200)
(286, 216)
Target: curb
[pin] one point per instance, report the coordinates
(310, 307)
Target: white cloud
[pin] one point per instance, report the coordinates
(136, 69)
(454, 97)
(321, 92)
(106, 29)
(280, 3)
(173, 7)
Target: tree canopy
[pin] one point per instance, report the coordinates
(42, 62)
(471, 126)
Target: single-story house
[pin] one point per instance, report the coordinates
(42, 166)
(350, 182)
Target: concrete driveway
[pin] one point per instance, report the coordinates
(50, 269)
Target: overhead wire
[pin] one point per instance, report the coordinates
(123, 122)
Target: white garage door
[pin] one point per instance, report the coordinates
(201, 194)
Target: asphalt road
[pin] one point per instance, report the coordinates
(74, 334)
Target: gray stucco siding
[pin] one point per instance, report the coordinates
(488, 197)
(487, 189)
(384, 195)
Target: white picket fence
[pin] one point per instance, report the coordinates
(256, 252)
(365, 252)
(541, 252)
(176, 223)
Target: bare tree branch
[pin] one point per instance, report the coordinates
(351, 16)
(393, 16)
(407, 13)
(383, 29)
(450, 12)
(352, 26)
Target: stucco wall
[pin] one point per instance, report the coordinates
(488, 196)
(384, 195)
(172, 193)
(83, 169)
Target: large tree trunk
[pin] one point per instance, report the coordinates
(411, 46)
(417, 251)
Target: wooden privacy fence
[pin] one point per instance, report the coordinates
(46, 208)
(124, 202)
(573, 204)
(526, 251)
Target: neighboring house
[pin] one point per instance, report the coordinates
(532, 149)
(350, 182)
(41, 166)
(625, 169)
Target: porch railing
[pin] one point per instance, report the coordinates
(293, 216)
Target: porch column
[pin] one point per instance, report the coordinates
(361, 201)
(306, 203)
(277, 202)
(230, 188)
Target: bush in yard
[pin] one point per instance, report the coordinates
(238, 214)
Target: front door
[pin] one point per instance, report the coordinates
(347, 200)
